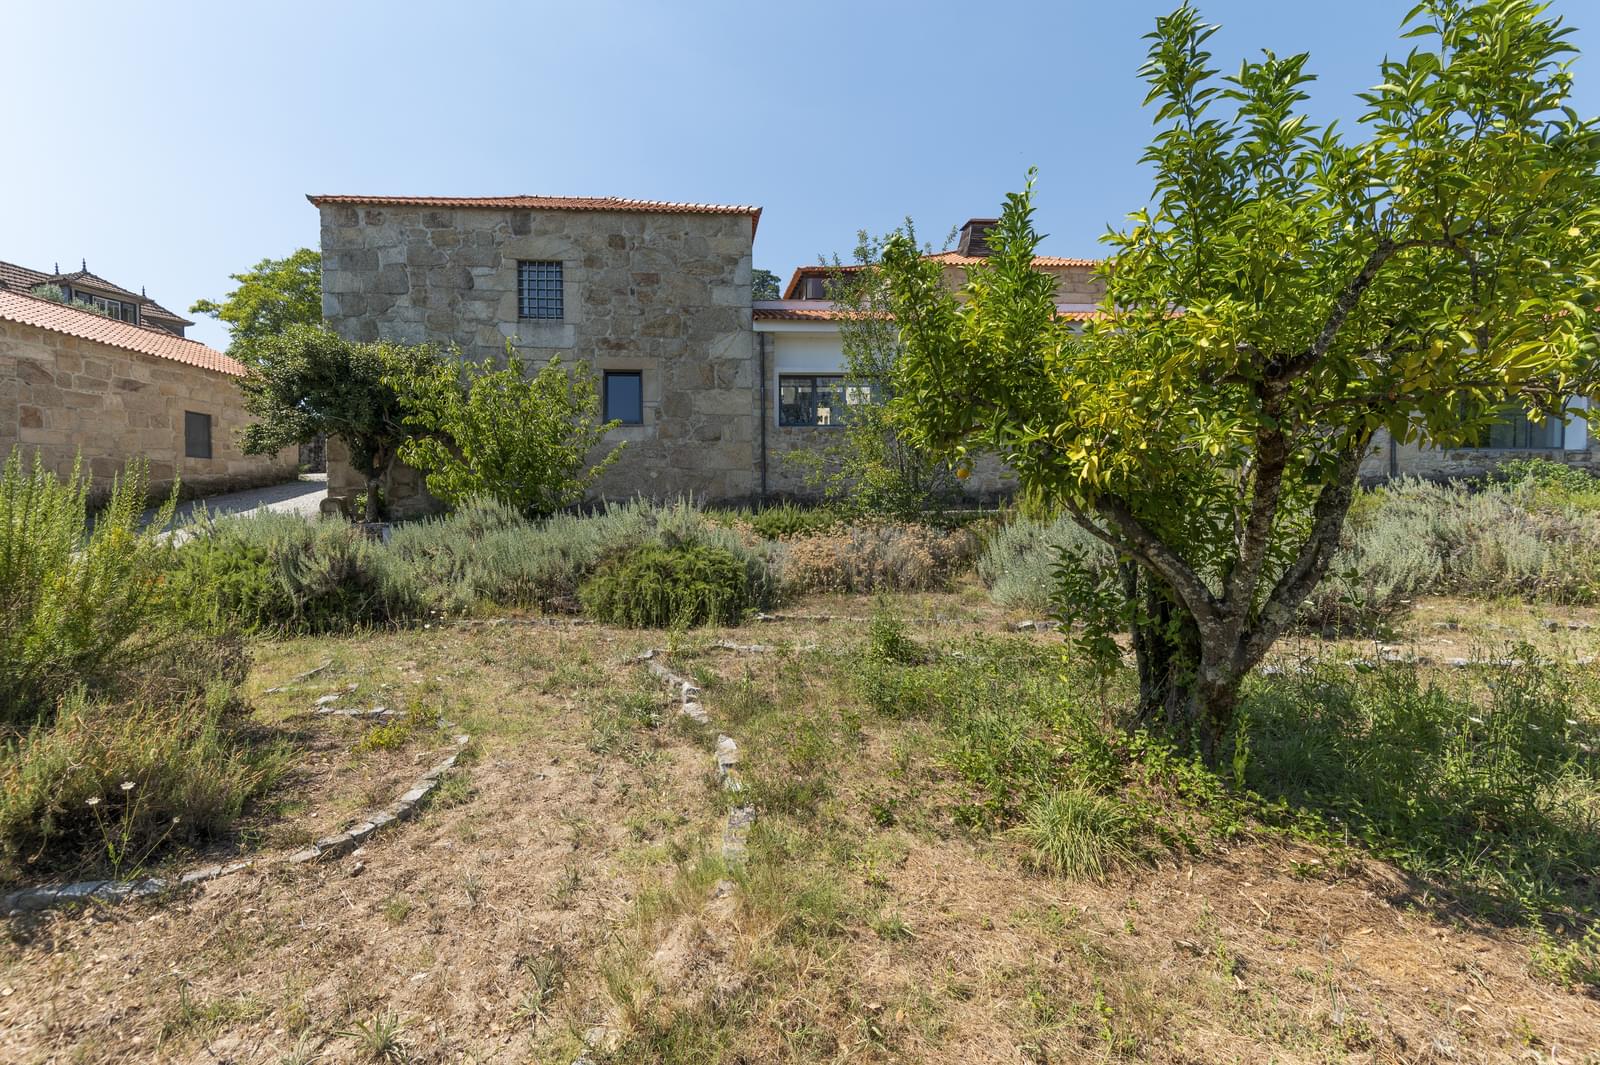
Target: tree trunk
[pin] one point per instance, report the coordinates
(1181, 691)
(1166, 651)
(373, 514)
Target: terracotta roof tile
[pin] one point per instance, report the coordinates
(60, 318)
(545, 203)
(949, 258)
(797, 314)
(20, 278)
(825, 312)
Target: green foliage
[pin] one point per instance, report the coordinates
(1571, 963)
(281, 573)
(304, 381)
(765, 285)
(876, 468)
(1019, 565)
(111, 781)
(270, 297)
(1416, 277)
(1521, 538)
(657, 586)
(419, 718)
(79, 600)
(786, 520)
(486, 553)
(495, 432)
(1078, 834)
(1554, 485)
(1488, 784)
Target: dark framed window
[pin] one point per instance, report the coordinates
(1515, 430)
(818, 399)
(624, 396)
(196, 435)
(539, 290)
(121, 310)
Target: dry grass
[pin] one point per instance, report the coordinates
(570, 889)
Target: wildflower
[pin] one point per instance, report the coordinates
(127, 785)
(94, 800)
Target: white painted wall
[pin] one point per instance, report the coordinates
(809, 352)
(1577, 428)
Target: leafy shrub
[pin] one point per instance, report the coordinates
(1413, 538)
(1019, 564)
(874, 558)
(1078, 833)
(486, 554)
(786, 520)
(487, 429)
(282, 573)
(108, 782)
(78, 601)
(656, 586)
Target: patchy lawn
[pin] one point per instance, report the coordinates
(567, 886)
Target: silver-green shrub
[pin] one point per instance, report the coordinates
(1019, 565)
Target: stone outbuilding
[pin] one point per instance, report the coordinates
(76, 382)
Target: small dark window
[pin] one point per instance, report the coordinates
(539, 290)
(624, 397)
(196, 435)
(818, 399)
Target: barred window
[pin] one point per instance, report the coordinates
(539, 290)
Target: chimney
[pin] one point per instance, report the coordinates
(974, 239)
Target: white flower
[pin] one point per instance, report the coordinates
(127, 785)
(94, 801)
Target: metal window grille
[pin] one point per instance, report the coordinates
(539, 290)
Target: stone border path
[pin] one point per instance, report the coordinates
(42, 898)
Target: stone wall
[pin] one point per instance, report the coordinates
(63, 396)
(1443, 464)
(664, 294)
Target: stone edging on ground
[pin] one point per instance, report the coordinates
(402, 809)
(736, 830)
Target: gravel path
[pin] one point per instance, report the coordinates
(303, 496)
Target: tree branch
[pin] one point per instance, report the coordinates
(1149, 549)
(1309, 566)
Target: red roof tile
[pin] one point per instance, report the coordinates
(546, 203)
(949, 258)
(60, 318)
(826, 312)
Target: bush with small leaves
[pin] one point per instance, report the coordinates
(658, 586)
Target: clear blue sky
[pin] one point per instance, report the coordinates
(171, 144)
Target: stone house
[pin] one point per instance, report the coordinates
(653, 297)
(714, 389)
(112, 384)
